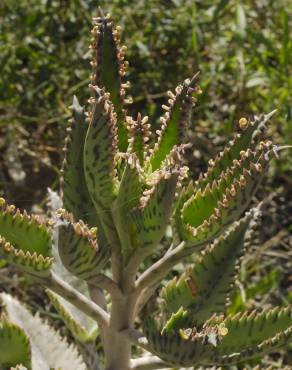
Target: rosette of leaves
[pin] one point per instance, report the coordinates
(123, 190)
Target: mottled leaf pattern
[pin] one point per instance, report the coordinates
(242, 141)
(207, 213)
(222, 342)
(139, 135)
(108, 70)
(150, 219)
(78, 247)
(130, 191)
(204, 288)
(99, 153)
(175, 122)
(76, 197)
(24, 240)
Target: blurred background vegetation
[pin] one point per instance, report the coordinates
(243, 50)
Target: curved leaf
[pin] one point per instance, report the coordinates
(150, 219)
(24, 240)
(78, 247)
(14, 345)
(83, 328)
(109, 69)
(249, 132)
(174, 122)
(207, 213)
(48, 349)
(204, 288)
(99, 153)
(139, 132)
(76, 197)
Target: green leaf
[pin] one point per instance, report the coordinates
(249, 132)
(82, 327)
(205, 287)
(247, 330)
(222, 342)
(14, 345)
(109, 70)
(174, 123)
(130, 191)
(78, 247)
(48, 349)
(252, 335)
(24, 240)
(80, 324)
(99, 154)
(208, 212)
(183, 348)
(76, 197)
(176, 321)
(150, 219)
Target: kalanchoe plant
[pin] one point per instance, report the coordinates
(121, 195)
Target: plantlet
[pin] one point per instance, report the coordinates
(125, 201)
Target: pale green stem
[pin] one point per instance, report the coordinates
(152, 277)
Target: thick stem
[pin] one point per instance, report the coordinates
(152, 277)
(118, 347)
(106, 283)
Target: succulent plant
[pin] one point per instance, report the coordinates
(128, 214)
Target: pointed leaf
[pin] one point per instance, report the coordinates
(248, 330)
(24, 240)
(82, 327)
(175, 122)
(14, 345)
(130, 191)
(204, 288)
(241, 142)
(207, 213)
(151, 218)
(253, 335)
(99, 153)
(76, 197)
(109, 69)
(48, 349)
(75, 319)
(78, 247)
(180, 348)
